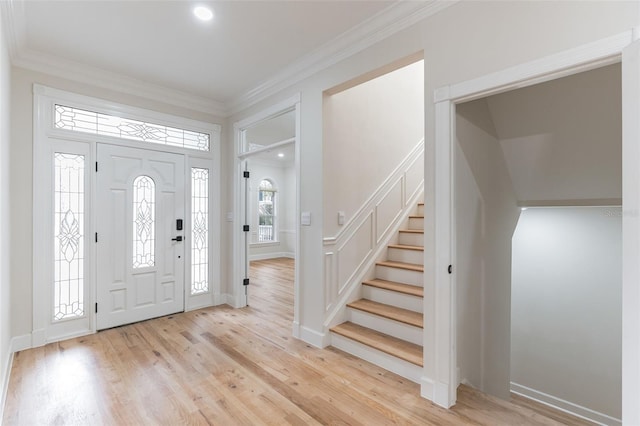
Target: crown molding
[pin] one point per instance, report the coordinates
(391, 20)
(83, 73)
(13, 22)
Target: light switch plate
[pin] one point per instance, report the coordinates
(340, 218)
(305, 218)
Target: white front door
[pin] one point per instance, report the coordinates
(140, 251)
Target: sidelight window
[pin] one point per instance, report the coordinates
(199, 230)
(68, 236)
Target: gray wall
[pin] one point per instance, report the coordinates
(566, 338)
(487, 213)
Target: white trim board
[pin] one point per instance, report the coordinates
(267, 256)
(441, 329)
(564, 406)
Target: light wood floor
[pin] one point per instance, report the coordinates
(229, 367)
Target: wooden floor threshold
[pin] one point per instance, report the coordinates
(406, 247)
(387, 311)
(412, 290)
(401, 265)
(404, 350)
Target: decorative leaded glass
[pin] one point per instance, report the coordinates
(68, 281)
(199, 230)
(80, 120)
(144, 216)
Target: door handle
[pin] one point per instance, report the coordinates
(178, 238)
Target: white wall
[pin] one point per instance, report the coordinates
(487, 213)
(5, 216)
(368, 130)
(566, 316)
(281, 176)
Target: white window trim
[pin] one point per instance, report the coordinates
(48, 139)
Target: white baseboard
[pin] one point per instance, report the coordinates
(16, 344)
(566, 406)
(427, 388)
(266, 256)
(6, 374)
(312, 337)
(20, 343)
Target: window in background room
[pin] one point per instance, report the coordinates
(266, 212)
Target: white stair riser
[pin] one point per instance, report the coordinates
(393, 298)
(411, 239)
(393, 328)
(404, 276)
(420, 209)
(416, 223)
(404, 255)
(383, 360)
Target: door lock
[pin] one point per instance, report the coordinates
(178, 238)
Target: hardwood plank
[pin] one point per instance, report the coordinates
(412, 231)
(413, 290)
(387, 311)
(383, 342)
(401, 265)
(224, 366)
(406, 247)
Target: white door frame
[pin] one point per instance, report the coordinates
(439, 383)
(239, 256)
(46, 139)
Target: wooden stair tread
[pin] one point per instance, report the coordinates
(412, 290)
(406, 247)
(402, 349)
(401, 265)
(412, 231)
(413, 216)
(387, 311)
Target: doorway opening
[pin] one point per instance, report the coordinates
(538, 184)
(267, 200)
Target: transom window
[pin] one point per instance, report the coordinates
(80, 120)
(266, 211)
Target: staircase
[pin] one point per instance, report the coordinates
(384, 327)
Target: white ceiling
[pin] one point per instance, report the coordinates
(562, 140)
(248, 46)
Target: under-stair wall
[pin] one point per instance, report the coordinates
(350, 255)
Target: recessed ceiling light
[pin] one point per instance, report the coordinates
(280, 155)
(203, 13)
